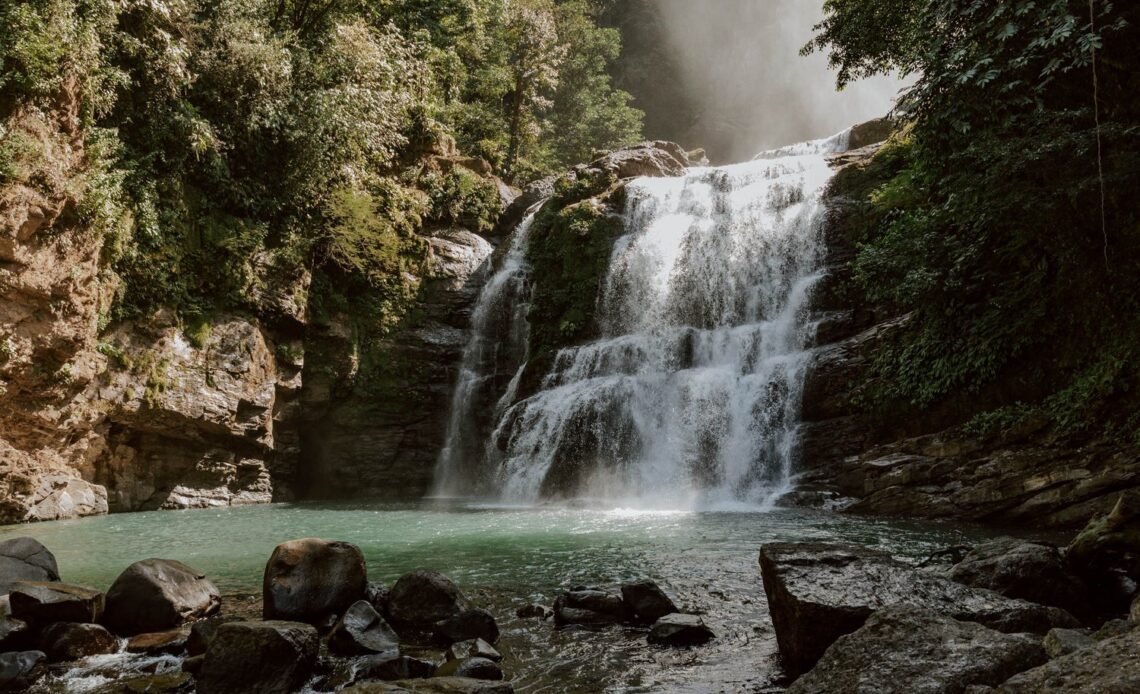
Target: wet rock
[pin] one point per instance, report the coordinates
(475, 623)
(377, 595)
(193, 664)
(392, 667)
(1059, 642)
(1106, 554)
(1027, 570)
(201, 633)
(173, 641)
(41, 603)
(362, 631)
(589, 607)
(1110, 666)
(818, 592)
(25, 559)
(422, 598)
(538, 611)
(159, 594)
(680, 630)
(159, 683)
(19, 670)
(65, 641)
(310, 580)
(476, 668)
(14, 633)
(271, 656)
(474, 648)
(434, 685)
(903, 649)
(647, 601)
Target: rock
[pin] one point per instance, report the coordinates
(870, 133)
(1134, 610)
(422, 598)
(389, 666)
(377, 595)
(475, 623)
(173, 641)
(201, 633)
(647, 601)
(19, 670)
(657, 158)
(1106, 554)
(434, 685)
(193, 664)
(1059, 642)
(539, 611)
(159, 683)
(476, 668)
(680, 630)
(269, 657)
(903, 649)
(310, 580)
(1113, 628)
(818, 592)
(474, 648)
(362, 631)
(157, 595)
(14, 633)
(65, 641)
(1026, 570)
(589, 607)
(1109, 667)
(41, 603)
(25, 559)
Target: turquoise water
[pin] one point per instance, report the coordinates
(505, 557)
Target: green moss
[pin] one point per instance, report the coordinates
(462, 197)
(116, 355)
(198, 332)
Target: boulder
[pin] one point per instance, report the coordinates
(658, 158)
(1059, 642)
(680, 630)
(25, 559)
(201, 633)
(475, 623)
(43, 602)
(377, 595)
(14, 633)
(391, 666)
(1113, 628)
(159, 594)
(819, 592)
(267, 657)
(173, 641)
(539, 611)
(589, 607)
(1027, 570)
(476, 668)
(434, 685)
(1109, 667)
(903, 649)
(1106, 555)
(647, 601)
(64, 641)
(474, 648)
(422, 598)
(362, 631)
(311, 580)
(19, 670)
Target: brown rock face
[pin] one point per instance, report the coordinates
(313, 580)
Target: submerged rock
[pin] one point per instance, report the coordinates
(1109, 667)
(1059, 642)
(477, 668)
(475, 623)
(589, 607)
(422, 598)
(42, 603)
(680, 630)
(362, 631)
(173, 641)
(819, 592)
(313, 580)
(537, 611)
(270, 656)
(19, 670)
(903, 649)
(1027, 570)
(475, 648)
(25, 559)
(391, 666)
(66, 641)
(647, 601)
(159, 594)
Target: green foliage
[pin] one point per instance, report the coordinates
(462, 198)
(373, 236)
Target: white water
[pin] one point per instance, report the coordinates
(691, 395)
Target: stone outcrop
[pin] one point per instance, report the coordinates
(1109, 666)
(1027, 570)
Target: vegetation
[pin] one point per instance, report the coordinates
(1004, 217)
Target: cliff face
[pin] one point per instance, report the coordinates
(928, 462)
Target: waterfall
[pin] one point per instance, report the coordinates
(691, 394)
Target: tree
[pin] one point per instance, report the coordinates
(536, 55)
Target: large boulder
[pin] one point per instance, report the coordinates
(658, 158)
(421, 598)
(819, 592)
(903, 650)
(64, 641)
(680, 630)
(1027, 570)
(43, 602)
(647, 601)
(475, 623)
(589, 607)
(19, 670)
(267, 657)
(1109, 667)
(159, 594)
(313, 580)
(362, 631)
(25, 559)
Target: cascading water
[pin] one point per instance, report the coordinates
(691, 395)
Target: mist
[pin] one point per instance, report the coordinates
(739, 61)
